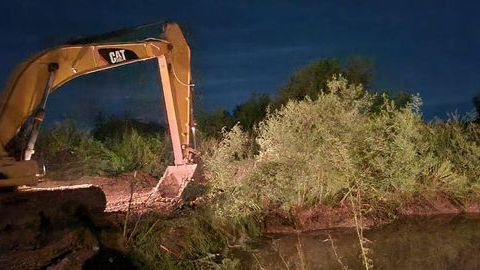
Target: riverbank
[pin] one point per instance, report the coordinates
(322, 217)
(190, 235)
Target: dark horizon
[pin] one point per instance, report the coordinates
(425, 47)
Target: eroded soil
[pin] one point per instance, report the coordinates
(342, 216)
(134, 190)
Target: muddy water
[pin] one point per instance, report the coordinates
(439, 242)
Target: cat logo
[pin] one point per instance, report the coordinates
(117, 55)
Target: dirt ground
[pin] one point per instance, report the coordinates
(134, 190)
(67, 224)
(137, 191)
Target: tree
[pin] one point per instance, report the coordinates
(309, 80)
(114, 127)
(212, 123)
(476, 103)
(312, 79)
(252, 111)
(402, 99)
(359, 70)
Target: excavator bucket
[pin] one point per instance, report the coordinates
(175, 179)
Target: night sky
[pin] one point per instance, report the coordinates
(426, 47)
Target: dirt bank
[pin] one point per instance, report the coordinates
(136, 191)
(133, 189)
(328, 217)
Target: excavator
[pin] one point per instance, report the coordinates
(24, 100)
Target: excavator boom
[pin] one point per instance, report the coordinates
(24, 99)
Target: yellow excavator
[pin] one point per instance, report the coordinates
(23, 101)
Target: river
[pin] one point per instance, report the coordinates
(430, 243)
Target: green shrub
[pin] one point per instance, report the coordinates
(319, 151)
(226, 167)
(397, 156)
(70, 153)
(458, 142)
(67, 152)
(133, 151)
(306, 147)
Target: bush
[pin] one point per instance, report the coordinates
(225, 167)
(458, 142)
(133, 151)
(318, 151)
(70, 153)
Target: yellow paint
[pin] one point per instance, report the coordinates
(25, 89)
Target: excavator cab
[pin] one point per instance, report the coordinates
(24, 101)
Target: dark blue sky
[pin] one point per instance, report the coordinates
(425, 47)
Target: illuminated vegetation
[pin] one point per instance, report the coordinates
(320, 150)
(331, 143)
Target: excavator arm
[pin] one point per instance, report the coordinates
(25, 97)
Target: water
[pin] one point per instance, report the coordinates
(439, 242)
